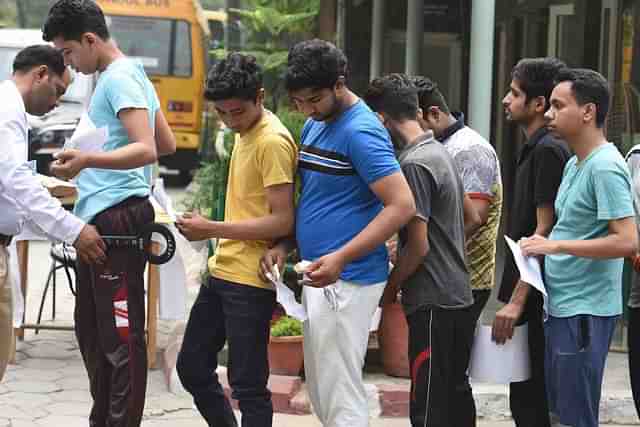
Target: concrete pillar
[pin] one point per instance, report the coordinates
(415, 36)
(327, 20)
(483, 14)
(341, 28)
(377, 38)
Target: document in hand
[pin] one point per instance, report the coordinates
(529, 267)
(87, 137)
(500, 364)
(286, 297)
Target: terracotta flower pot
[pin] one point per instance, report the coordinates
(286, 356)
(393, 337)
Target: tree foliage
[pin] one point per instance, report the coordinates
(273, 26)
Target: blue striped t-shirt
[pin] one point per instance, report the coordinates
(337, 163)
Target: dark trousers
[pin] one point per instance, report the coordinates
(239, 315)
(528, 399)
(109, 321)
(439, 350)
(634, 354)
(480, 298)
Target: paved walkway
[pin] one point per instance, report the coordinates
(48, 386)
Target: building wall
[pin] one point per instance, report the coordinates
(445, 55)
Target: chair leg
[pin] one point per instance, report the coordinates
(53, 297)
(50, 277)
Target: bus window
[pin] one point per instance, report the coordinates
(216, 28)
(182, 66)
(163, 46)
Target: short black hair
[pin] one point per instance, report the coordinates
(236, 76)
(428, 94)
(314, 64)
(588, 87)
(536, 76)
(393, 95)
(70, 19)
(37, 55)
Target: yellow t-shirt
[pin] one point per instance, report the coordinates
(265, 156)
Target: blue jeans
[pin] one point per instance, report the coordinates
(576, 352)
(239, 315)
(634, 354)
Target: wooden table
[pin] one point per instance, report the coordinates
(153, 284)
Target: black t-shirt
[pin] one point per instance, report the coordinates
(538, 174)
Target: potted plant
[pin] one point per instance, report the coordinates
(393, 338)
(286, 355)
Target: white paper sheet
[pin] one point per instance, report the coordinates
(163, 199)
(286, 297)
(87, 137)
(500, 364)
(530, 272)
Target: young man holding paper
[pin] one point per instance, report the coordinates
(235, 306)
(585, 251)
(113, 194)
(538, 173)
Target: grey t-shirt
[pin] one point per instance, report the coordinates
(442, 280)
(633, 162)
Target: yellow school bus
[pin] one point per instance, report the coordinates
(170, 38)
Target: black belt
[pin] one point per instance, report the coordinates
(5, 240)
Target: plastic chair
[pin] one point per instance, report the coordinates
(62, 256)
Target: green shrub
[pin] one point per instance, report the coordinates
(286, 327)
(292, 120)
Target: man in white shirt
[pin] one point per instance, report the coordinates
(39, 79)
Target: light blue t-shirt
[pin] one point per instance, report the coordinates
(124, 84)
(337, 163)
(590, 195)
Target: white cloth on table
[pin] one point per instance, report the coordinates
(173, 275)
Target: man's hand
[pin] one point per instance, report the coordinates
(325, 270)
(274, 256)
(390, 295)
(89, 246)
(505, 320)
(68, 163)
(538, 245)
(194, 226)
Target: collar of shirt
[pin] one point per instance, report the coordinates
(532, 142)
(448, 132)
(425, 138)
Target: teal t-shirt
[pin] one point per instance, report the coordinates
(590, 195)
(124, 84)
